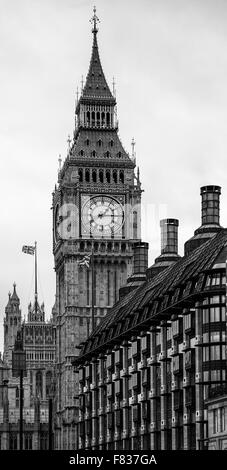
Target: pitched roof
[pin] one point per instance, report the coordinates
(96, 86)
(166, 288)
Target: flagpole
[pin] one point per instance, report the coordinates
(92, 290)
(36, 292)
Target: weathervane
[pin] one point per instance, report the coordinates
(94, 20)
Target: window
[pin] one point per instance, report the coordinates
(111, 143)
(215, 421)
(28, 441)
(87, 142)
(121, 176)
(87, 176)
(39, 384)
(80, 173)
(115, 176)
(222, 412)
(101, 176)
(48, 383)
(99, 143)
(108, 177)
(81, 321)
(43, 441)
(12, 441)
(214, 314)
(188, 322)
(17, 397)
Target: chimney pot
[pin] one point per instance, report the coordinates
(210, 204)
(169, 235)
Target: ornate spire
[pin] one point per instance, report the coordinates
(14, 296)
(94, 20)
(96, 86)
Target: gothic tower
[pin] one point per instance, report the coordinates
(96, 209)
(12, 323)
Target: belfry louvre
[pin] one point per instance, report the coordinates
(148, 369)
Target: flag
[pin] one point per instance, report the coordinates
(85, 261)
(30, 250)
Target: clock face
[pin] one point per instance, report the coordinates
(102, 216)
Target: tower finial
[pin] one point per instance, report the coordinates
(94, 20)
(59, 161)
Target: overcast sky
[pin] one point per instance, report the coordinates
(170, 65)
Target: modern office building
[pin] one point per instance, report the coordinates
(148, 371)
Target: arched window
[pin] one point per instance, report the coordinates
(108, 119)
(101, 176)
(15, 321)
(81, 153)
(121, 176)
(93, 118)
(111, 143)
(93, 153)
(108, 154)
(115, 176)
(98, 118)
(80, 173)
(48, 383)
(88, 118)
(103, 118)
(94, 176)
(87, 176)
(108, 176)
(119, 154)
(109, 247)
(39, 384)
(87, 142)
(96, 246)
(99, 143)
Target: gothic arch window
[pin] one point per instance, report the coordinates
(87, 176)
(81, 153)
(134, 224)
(122, 268)
(48, 383)
(17, 397)
(108, 176)
(93, 153)
(99, 143)
(121, 176)
(108, 119)
(98, 118)
(88, 118)
(96, 246)
(108, 154)
(39, 384)
(119, 154)
(101, 176)
(115, 176)
(109, 247)
(15, 321)
(81, 246)
(116, 247)
(93, 118)
(123, 247)
(103, 118)
(111, 143)
(80, 173)
(87, 142)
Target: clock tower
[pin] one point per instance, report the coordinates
(96, 210)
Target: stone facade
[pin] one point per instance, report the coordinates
(39, 343)
(96, 209)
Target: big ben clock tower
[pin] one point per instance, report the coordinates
(96, 209)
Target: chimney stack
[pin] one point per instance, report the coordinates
(210, 204)
(210, 218)
(169, 236)
(169, 247)
(140, 265)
